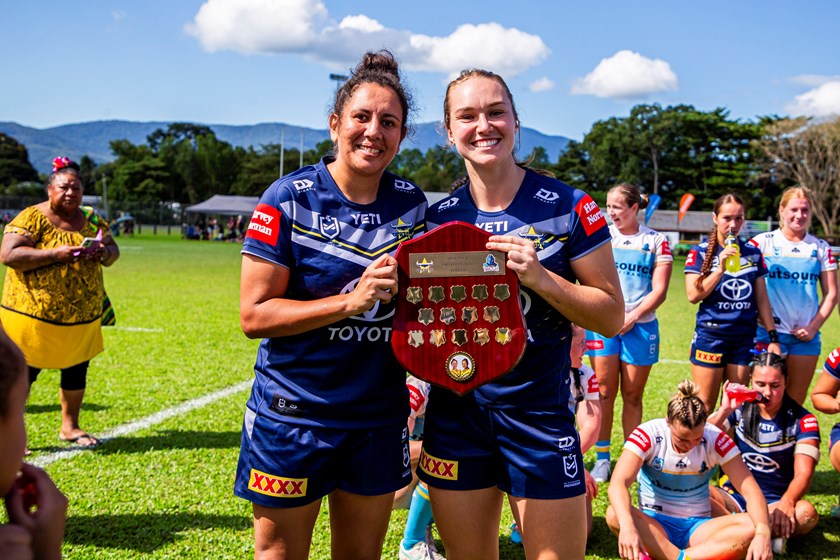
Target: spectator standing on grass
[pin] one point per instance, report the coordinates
(54, 293)
(730, 302)
(328, 408)
(797, 262)
(35, 508)
(673, 459)
(826, 399)
(780, 443)
(644, 261)
(503, 437)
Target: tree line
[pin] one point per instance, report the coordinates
(668, 151)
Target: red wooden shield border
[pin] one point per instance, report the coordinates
(477, 363)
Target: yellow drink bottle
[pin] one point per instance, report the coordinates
(733, 262)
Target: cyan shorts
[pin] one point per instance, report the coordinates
(678, 529)
(639, 346)
(790, 344)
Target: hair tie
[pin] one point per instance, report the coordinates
(63, 162)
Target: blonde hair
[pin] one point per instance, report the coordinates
(630, 194)
(686, 407)
(797, 191)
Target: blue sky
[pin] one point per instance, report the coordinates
(568, 64)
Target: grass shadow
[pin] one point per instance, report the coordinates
(144, 533)
(56, 407)
(172, 439)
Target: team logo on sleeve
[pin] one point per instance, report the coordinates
(265, 224)
(640, 439)
(723, 444)
(590, 215)
(666, 248)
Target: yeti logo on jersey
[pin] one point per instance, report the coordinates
(302, 184)
(403, 186)
(736, 289)
(531, 235)
(546, 195)
(375, 313)
(570, 466)
(402, 230)
(448, 203)
(329, 226)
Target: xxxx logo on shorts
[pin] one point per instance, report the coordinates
(708, 357)
(439, 468)
(277, 486)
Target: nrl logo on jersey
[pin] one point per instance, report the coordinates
(329, 226)
(531, 235)
(404, 186)
(402, 230)
(302, 184)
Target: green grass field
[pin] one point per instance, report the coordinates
(161, 486)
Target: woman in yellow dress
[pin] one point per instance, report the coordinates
(53, 293)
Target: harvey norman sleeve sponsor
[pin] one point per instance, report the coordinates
(265, 224)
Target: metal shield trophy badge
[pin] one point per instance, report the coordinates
(458, 322)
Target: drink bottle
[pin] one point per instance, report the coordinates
(739, 394)
(733, 262)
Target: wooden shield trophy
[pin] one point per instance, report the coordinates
(458, 321)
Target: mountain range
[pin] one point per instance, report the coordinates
(92, 138)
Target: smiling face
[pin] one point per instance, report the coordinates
(481, 121)
(796, 215)
(369, 130)
(622, 215)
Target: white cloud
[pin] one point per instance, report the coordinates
(813, 80)
(118, 15)
(303, 26)
(255, 26)
(361, 23)
(543, 84)
(822, 101)
(627, 75)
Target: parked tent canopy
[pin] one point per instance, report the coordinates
(225, 205)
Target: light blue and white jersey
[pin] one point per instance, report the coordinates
(635, 258)
(794, 269)
(673, 483)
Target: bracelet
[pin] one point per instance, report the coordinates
(773, 336)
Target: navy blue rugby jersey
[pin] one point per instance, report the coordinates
(565, 224)
(732, 305)
(344, 374)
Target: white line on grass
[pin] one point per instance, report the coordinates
(144, 423)
(136, 329)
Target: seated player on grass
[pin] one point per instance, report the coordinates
(779, 442)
